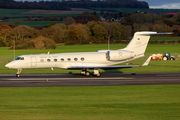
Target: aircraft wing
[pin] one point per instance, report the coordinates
(102, 67)
(110, 67)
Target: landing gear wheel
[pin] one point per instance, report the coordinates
(97, 75)
(18, 75)
(87, 73)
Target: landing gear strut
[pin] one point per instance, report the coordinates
(96, 72)
(18, 73)
(87, 73)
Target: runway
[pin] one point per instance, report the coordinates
(106, 79)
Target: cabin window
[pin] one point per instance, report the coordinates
(48, 60)
(82, 59)
(62, 59)
(55, 60)
(42, 60)
(75, 59)
(69, 59)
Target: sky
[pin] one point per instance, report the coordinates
(166, 4)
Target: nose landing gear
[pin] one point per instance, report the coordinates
(18, 73)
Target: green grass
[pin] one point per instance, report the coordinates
(154, 67)
(16, 19)
(165, 38)
(91, 103)
(12, 12)
(64, 49)
(38, 23)
(173, 48)
(55, 15)
(20, 13)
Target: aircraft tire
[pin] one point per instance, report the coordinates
(97, 75)
(87, 73)
(18, 75)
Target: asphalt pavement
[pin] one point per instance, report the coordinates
(106, 79)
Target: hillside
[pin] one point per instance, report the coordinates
(67, 5)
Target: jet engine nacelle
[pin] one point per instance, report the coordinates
(119, 55)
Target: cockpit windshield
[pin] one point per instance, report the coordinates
(19, 58)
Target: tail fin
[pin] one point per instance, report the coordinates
(139, 42)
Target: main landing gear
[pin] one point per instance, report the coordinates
(87, 73)
(18, 73)
(96, 72)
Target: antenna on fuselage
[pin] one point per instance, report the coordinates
(48, 52)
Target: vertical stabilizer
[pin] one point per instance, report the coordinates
(139, 42)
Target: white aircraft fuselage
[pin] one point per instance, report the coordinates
(68, 60)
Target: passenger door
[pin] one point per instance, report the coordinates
(33, 61)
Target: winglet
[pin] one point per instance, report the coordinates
(147, 61)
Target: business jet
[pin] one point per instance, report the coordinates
(101, 59)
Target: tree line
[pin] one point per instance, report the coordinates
(25, 37)
(71, 32)
(152, 22)
(67, 5)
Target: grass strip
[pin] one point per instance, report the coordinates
(104, 102)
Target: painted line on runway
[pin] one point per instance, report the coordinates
(92, 80)
(95, 80)
(37, 75)
(34, 79)
(171, 75)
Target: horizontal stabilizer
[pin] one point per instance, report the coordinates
(141, 33)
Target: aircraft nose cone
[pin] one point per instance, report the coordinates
(7, 65)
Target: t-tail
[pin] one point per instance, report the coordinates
(140, 41)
